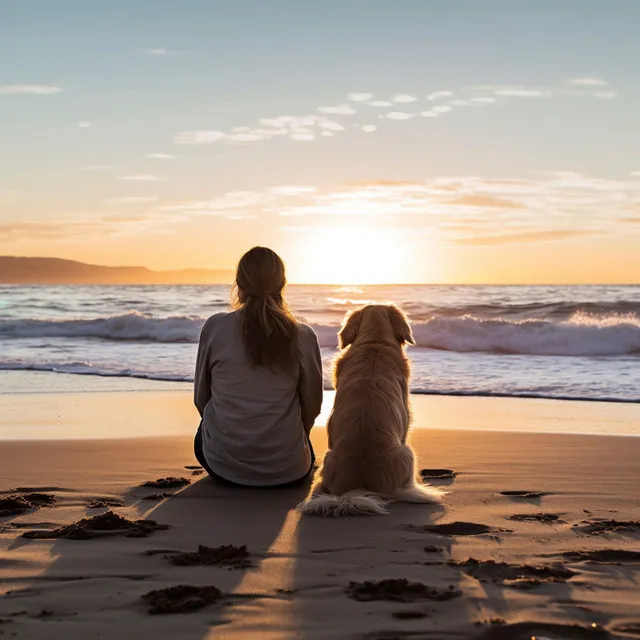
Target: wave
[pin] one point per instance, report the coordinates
(130, 326)
(88, 369)
(581, 335)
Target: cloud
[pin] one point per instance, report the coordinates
(230, 201)
(160, 51)
(331, 126)
(369, 128)
(404, 98)
(161, 156)
(439, 95)
(428, 114)
(529, 236)
(522, 92)
(245, 137)
(340, 110)
(587, 82)
(28, 90)
(478, 200)
(397, 115)
(359, 97)
(441, 108)
(630, 220)
(85, 124)
(380, 103)
(199, 137)
(635, 174)
(131, 200)
(140, 178)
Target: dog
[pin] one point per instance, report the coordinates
(369, 462)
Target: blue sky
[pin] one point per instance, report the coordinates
(130, 129)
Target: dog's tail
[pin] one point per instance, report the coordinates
(353, 503)
(420, 493)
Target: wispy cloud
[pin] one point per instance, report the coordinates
(359, 97)
(161, 156)
(160, 52)
(587, 81)
(404, 98)
(440, 95)
(310, 127)
(131, 200)
(339, 110)
(140, 178)
(478, 200)
(84, 124)
(28, 90)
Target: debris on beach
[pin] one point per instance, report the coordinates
(437, 474)
(170, 482)
(224, 556)
(15, 504)
(105, 524)
(397, 590)
(181, 599)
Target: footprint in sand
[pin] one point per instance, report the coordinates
(598, 526)
(523, 494)
(542, 631)
(227, 555)
(167, 483)
(437, 474)
(545, 518)
(458, 529)
(180, 599)
(105, 524)
(397, 590)
(13, 505)
(513, 575)
(604, 556)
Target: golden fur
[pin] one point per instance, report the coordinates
(369, 461)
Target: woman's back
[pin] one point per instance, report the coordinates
(255, 418)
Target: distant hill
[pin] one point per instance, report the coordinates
(15, 270)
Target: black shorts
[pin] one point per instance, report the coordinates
(199, 453)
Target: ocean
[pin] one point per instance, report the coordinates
(566, 342)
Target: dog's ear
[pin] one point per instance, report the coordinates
(350, 328)
(400, 326)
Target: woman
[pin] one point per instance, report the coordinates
(258, 383)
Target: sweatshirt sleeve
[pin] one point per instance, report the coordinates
(310, 385)
(202, 379)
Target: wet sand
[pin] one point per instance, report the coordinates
(539, 535)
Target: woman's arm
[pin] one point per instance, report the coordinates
(202, 380)
(310, 385)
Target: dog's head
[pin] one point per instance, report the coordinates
(376, 323)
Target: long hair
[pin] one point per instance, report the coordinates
(269, 331)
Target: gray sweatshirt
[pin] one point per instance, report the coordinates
(255, 421)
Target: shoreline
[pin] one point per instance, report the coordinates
(13, 378)
(64, 413)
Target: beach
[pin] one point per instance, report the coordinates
(559, 562)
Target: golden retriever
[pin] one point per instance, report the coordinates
(369, 462)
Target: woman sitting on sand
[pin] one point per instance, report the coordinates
(258, 383)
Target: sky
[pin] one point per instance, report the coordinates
(492, 141)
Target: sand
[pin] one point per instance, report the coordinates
(564, 564)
